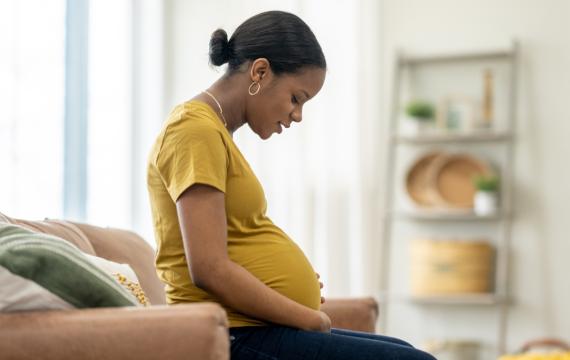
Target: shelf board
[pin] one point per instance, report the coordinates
(448, 215)
(483, 54)
(451, 137)
(451, 299)
(460, 299)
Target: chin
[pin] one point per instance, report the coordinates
(262, 135)
(266, 136)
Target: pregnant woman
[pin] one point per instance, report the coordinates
(214, 240)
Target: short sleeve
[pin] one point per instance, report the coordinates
(190, 154)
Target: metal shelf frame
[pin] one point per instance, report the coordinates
(500, 297)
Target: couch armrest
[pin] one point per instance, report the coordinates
(359, 314)
(189, 331)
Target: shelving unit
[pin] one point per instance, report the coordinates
(501, 138)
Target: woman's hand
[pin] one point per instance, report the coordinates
(325, 324)
(320, 322)
(321, 286)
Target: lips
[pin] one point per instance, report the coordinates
(280, 125)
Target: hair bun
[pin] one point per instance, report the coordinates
(219, 48)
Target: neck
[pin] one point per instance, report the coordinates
(230, 93)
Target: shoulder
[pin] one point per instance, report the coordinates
(193, 120)
(192, 115)
(190, 124)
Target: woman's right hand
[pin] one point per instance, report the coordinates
(322, 324)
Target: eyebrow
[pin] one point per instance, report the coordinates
(306, 94)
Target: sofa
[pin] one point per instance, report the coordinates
(159, 331)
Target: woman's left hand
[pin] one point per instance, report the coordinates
(321, 286)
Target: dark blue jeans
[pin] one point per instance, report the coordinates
(284, 343)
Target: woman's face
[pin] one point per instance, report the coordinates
(281, 98)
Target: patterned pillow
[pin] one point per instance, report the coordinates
(39, 271)
(123, 274)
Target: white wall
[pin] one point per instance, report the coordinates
(541, 243)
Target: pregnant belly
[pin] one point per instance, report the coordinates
(281, 265)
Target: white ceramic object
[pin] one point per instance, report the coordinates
(486, 203)
(415, 126)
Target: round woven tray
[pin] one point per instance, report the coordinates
(452, 177)
(417, 181)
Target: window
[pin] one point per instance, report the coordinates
(32, 69)
(108, 198)
(65, 110)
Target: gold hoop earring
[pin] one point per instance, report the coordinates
(251, 92)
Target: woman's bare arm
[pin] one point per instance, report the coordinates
(202, 217)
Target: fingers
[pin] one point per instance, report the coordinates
(321, 285)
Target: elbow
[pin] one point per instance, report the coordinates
(199, 277)
(207, 276)
(200, 281)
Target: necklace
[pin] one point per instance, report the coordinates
(219, 106)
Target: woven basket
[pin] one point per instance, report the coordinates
(441, 267)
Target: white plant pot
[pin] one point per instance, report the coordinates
(486, 203)
(418, 126)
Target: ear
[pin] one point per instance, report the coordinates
(260, 70)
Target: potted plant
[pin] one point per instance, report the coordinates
(487, 196)
(421, 114)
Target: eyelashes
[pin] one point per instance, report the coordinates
(294, 100)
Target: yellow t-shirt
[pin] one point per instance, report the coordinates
(195, 147)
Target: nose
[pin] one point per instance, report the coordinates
(297, 115)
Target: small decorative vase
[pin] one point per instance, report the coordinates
(486, 203)
(419, 126)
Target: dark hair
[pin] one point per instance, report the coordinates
(282, 38)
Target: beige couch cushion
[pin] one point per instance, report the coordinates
(59, 228)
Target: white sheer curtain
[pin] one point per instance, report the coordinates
(109, 115)
(319, 176)
(315, 173)
(32, 74)
(125, 108)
